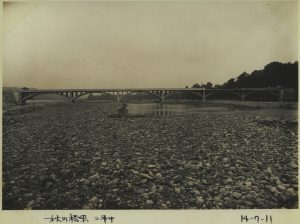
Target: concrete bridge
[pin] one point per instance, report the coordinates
(160, 93)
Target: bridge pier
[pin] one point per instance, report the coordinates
(281, 93)
(204, 96)
(242, 97)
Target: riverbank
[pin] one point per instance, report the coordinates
(74, 156)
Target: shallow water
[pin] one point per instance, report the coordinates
(179, 109)
(157, 109)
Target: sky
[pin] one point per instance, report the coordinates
(143, 44)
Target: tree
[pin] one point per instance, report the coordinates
(242, 80)
(208, 85)
(230, 84)
(196, 85)
(274, 74)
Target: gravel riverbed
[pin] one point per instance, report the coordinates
(76, 156)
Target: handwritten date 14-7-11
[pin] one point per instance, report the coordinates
(256, 219)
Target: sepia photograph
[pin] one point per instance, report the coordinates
(150, 105)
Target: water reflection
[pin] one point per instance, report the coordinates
(156, 109)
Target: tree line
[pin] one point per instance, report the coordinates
(274, 74)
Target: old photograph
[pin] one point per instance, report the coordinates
(150, 105)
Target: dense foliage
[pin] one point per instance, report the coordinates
(275, 74)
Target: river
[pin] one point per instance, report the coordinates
(279, 111)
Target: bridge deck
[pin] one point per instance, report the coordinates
(145, 89)
(161, 93)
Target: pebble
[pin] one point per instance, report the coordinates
(93, 200)
(190, 183)
(199, 201)
(30, 203)
(104, 164)
(291, 191)
(143, 171)
(163, 206)
(228, 181)
(27, 195)
(236, 195)
(273, 189)
(149, 202)
(177, 190)
(65, 172)
(158, 175)
(96, 176)
(281, 187)
(114, 181)
(143, 181)
(135, 172)
(48, 185)
(146, 176)
(16, 190)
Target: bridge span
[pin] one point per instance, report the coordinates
(161, 93)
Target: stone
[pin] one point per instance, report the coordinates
(87, 206)
(140, 191)
(225, 160)
(146, 176)
(291, 191)
(96, 176)
(281, 187)
(273, 189)
(30, 203)
(158, 175)
(199, 201)
(104, 164)
(39, 199)
(48, 185)
(236, 195)
(177, 190)
(228, 181)
(143, 181)
(94, 200)
(163, 206)
(229, 204)
(248, 183)
(114, 181)
(87, 182)
(65, 172)
(16, 190)
(27, 195)
(204, 181)
(149, 202)
(135, 172)
(190, 183)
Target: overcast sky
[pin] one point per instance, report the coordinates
(146, 44)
